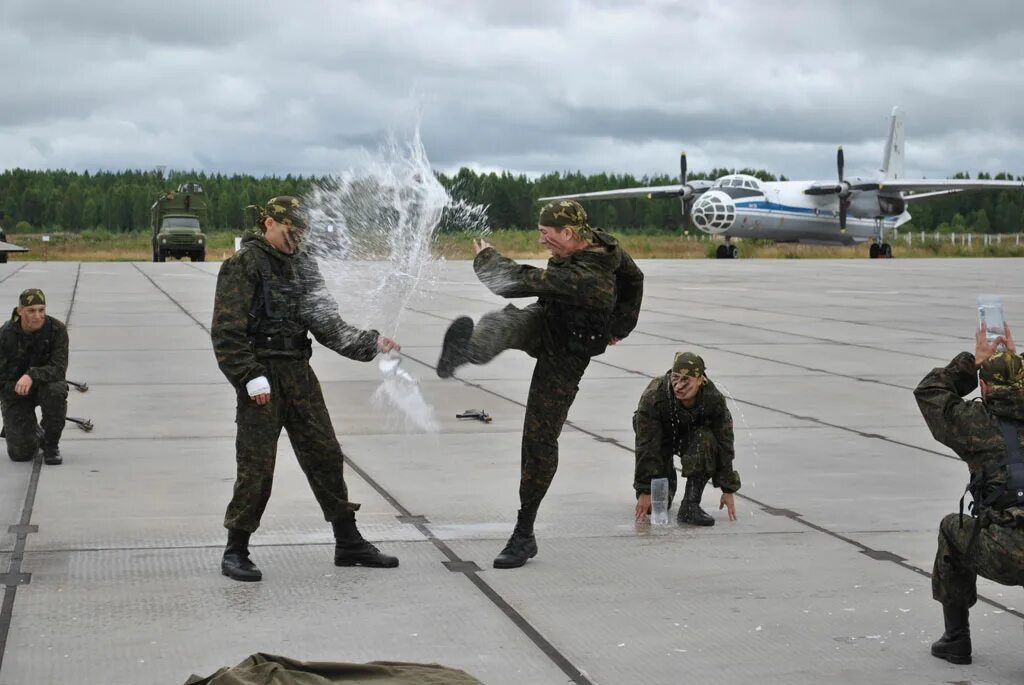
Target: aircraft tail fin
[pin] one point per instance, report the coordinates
(892, 161)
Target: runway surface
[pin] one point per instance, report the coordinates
(111, 561)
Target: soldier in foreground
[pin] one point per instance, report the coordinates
(588, 298)
(682, 412)
(34, 361)
(269, 295)
(987, 434)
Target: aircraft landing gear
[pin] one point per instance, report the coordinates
(880, 251)
(727, 251)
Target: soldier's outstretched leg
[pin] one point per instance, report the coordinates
(53, 403)
(552, 391)
(510, 328)
(20, 427)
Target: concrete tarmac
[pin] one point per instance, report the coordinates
(111, 561)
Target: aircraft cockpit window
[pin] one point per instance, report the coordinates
(750, 184)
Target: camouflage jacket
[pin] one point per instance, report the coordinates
(301, 295)
(43, 355)
(971, 429)
(601, 281)
(664, 427)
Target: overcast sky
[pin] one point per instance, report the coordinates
(528, 86)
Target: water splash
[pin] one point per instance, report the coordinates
(750, 435)
(372, 231)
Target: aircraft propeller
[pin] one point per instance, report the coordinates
(686, 191)
(844, 191)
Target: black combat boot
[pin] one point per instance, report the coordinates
(236, 564)
(522, 546)
(51, 454)
(689, 507)
(350, 549)
(454, 350)
(955, 644)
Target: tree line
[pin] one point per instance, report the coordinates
(57, 200)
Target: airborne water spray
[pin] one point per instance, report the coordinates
(372, 232)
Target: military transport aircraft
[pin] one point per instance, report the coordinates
(846, 211)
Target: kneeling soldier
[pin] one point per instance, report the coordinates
(34, 361)
(988, 436)
(683, 413)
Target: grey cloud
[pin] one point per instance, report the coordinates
(533, 86)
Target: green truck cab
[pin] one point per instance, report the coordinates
(178, 218)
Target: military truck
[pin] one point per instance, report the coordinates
(178, 218)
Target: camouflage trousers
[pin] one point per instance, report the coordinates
(20, 426)
(997, 554)
(296, 405)
(553, 388)
(698, 459)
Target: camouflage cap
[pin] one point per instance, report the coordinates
(30, 297)
(566, 214)
(287, 210)
(688, 364)
(1004, 369)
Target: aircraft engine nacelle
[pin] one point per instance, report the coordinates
(871, 205)
(713, 212)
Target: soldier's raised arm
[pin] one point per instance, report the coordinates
(940, 398)
(576, 283)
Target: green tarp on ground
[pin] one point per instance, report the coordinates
(268, 669)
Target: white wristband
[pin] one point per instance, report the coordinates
(258, 386)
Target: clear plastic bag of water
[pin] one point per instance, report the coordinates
(659, 501)
(990, 313)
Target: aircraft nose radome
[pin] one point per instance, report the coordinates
(714, 212)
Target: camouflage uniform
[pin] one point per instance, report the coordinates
(583, 300)
(702, 436)
(43, 356)
(991, 543)
(266, 303)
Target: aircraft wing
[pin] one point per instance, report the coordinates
(926, 185)
(10, 247)
(649, 191)
(917, 197)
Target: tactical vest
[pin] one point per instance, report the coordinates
(583, 331)
(989, 492)
(36, 353)
(275, 326)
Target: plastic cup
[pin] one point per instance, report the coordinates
(659, 502)
(990, 313)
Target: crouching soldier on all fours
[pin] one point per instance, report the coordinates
(683, 413)
(270, 294)
(589, 297)
(34, 361)
(989, 436)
